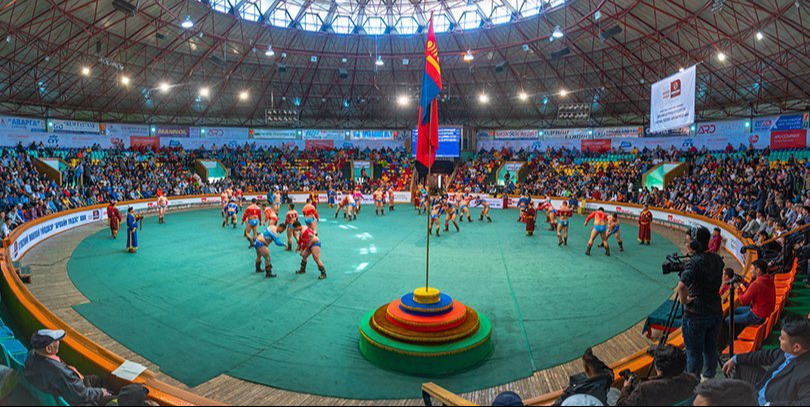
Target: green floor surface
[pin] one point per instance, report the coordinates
(190, 302)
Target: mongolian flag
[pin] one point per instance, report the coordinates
(428, 129)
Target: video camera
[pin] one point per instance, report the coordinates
(675, 264)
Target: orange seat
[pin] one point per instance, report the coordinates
(750, 333)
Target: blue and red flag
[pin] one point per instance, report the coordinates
(428, 128)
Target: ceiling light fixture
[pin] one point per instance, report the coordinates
(164, 87)
(205, 92)
(187, 23)
(125, 80)
(85, 71)
(557, 33)
(483, 98)
(721, 56)
(563, 92)
(379, 61)
(244, 95)
(270, 52)
(469, 57)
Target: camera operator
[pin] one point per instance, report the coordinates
(698, 291)
(595, 382)
(669, 386)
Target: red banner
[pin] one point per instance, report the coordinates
(140, 141)
(785, 139)
(596, 146)
(319, 145)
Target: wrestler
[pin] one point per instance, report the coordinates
(240, 197)
(436, 212)
(313, 197)
(223, 199)
(311, 216)
(483, 203)
(522, 204)
(290, 218)
(342, 205)
(262, 245)
(645, 226)
(464, 207)
(390, 198)
(253, 217)
(614, 228)
(563, 215)
(270, 216)
(358, 201)
(599, 229)
(277, 201)
(309, 245)
(114, 215)
(379, 202)
(331, 197)
(551, 213)
(162, 204)
(530, 218)
(424, 203)
(231, 210)
(450, 215)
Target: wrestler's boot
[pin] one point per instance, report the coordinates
(607, 250)
(621, 247)
(268, 272)
(259, 266)
(322, 269)
(303, 269)
(561, 240)
(588, 251)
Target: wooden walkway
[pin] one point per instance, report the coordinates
(52, 286)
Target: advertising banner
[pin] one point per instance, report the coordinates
(274, 134)
(225, 132)
(516, 134)
(148, 142)
(787, 139)
(618, 132)
(795, 121)
(373, 134)
(725, 128)
(127, 130)
(324, 135)
(73, 126)
(22, 123)
(596, 146)
(673, 101)
(312, 145)
(567, 134)
(172, 131)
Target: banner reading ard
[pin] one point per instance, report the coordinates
(673, 101)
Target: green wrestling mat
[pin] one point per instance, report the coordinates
(190, 301)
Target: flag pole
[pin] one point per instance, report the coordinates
(429, 213)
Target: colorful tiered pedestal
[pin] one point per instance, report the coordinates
(425, 333)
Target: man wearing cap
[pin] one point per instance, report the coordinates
(48, 373)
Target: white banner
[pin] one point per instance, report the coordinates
(74, 126)
(566, 134)
(324, 135)
(239, 133)
(373, 134)
(127, 130)
(516, 134)
(22, 123)
(618, 132)
(274, 134)
(673, 101)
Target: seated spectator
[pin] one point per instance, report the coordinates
(507, 398)
(786, 378)
(751, 227)
(725, 392)
(133, 395)
(716, 243)
(596, 381)
(5, 229)
(670, 385)
(48, 373)
(758, 301)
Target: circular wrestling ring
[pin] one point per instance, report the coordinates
(369, 262)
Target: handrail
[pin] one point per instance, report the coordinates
(639, 362)
(77, 349)
(444, 396)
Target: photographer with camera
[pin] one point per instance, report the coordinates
(699, 292)
(758, 301)
(670, 385)
(595, 382)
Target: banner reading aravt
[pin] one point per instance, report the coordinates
(673, 101)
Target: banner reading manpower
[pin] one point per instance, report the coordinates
(673, 101)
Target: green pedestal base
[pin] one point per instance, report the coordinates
(422, 360)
